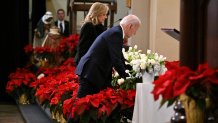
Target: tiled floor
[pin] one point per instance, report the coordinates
(9, 113)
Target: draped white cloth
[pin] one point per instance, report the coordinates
(146, 110)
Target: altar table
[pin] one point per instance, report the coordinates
(146, 110)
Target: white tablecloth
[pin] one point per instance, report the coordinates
(146, 110)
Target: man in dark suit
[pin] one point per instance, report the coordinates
(95, 67)
(62, 24)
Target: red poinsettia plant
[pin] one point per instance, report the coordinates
(49, 56)
(198, 84)
(56, 84)
(19, 82)
(67, 46)
(107, 106)
(40, 56)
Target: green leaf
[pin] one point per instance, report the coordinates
(85, 118)
(94, 114)
(171, 102)
(201, 103)
(104, 118)
(168, 101)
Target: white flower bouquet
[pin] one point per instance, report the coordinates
(140, 63)
(149, 62)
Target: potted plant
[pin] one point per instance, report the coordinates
(196, 89)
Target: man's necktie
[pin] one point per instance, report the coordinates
(61, 28)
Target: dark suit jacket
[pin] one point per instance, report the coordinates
(105, 53)
(88, 34)
(66, 32)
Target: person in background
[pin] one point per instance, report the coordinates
(105, 54)
(42, 29)
(91, 28)
(62, 24)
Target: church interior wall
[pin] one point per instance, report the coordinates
(157, 14)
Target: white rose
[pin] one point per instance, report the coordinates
(40, 76)
(161, 57)
(135, 47)
(148, 51)
(130, 48)
(116, 74)
(143, 56)
(151, 61)
(155, 56)
(123, 49)
(120, 81)
(127, 71)
(125, 55)
(143, 65)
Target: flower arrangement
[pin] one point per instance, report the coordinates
(149, 62)
(53, 56)
(67, 46)
(200, 84)
(19, 84)
(107, 106)
(140, 63)
(54, 86)
(57, 90)
(40, 56)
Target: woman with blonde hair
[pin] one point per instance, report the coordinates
(92, 27)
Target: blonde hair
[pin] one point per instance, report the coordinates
(95, 10)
